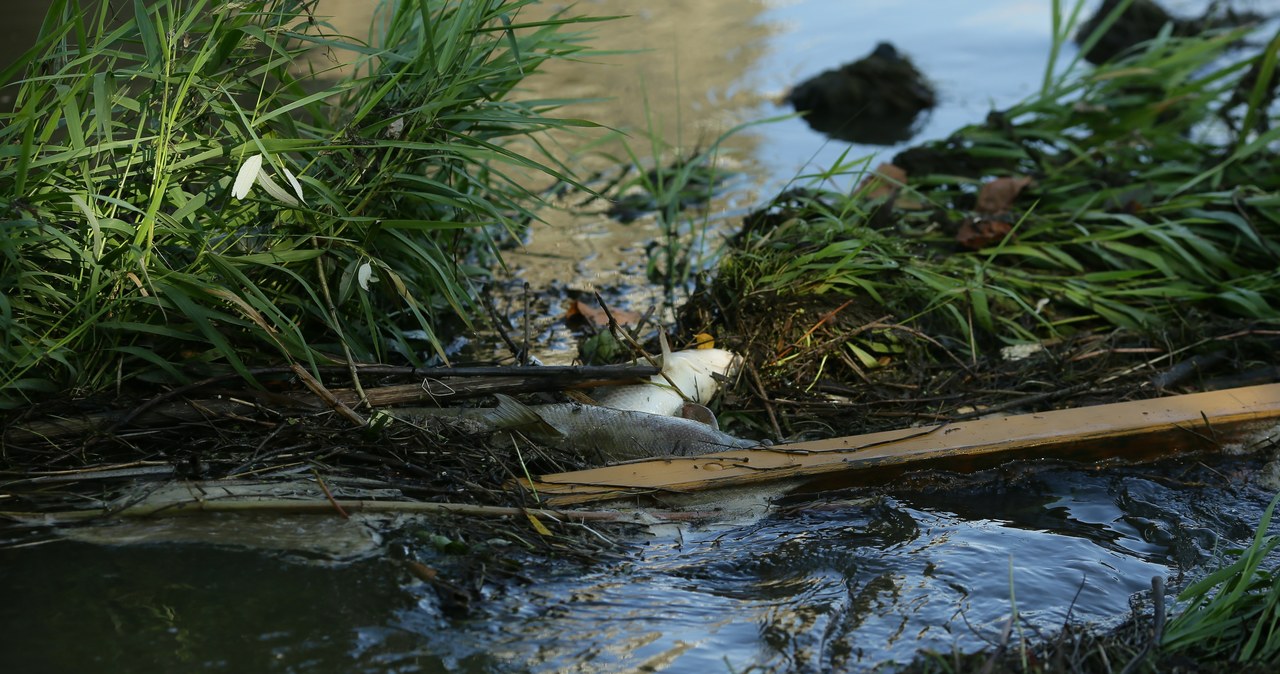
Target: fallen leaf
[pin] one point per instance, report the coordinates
(703, 341)
(997, 196)
(422, 571)
(978, 234)
(538, 526)
(885, 181)
(582, 311)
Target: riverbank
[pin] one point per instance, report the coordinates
(1114, 237)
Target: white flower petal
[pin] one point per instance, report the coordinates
(364, 276)
(249, 171)
(274, 189)
(297, 188)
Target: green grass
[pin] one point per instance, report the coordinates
(1150, 198)
(677, 188)
(124, 254)
(1233, 614)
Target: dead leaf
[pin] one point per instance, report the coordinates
(422, 571)
(703, 341)
(538, 526)
(998, 195)
(884, 182)
(978, 234)
(582, 311)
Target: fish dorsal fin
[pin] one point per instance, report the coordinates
(513, 414)
(666, 349)
(667, 377)
(580, 397)
(699, 413)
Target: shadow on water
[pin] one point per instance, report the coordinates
(78, 607)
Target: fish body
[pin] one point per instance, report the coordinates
(662, 417)
(686, 377)
(594, 431)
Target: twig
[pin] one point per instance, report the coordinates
(175, 392)
(327, 396)
(1157, 626)
(616, 328)
(1157, 602)
(764, 399)
(498, 325)
(524, 352)
(329, 495)
(823, 320)
(1193, 365)
(1026, 400)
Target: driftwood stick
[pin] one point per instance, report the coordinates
(325, 506)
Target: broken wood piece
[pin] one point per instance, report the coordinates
(1135, 430)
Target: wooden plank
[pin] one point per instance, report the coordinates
(1138, 429)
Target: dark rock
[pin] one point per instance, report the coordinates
(1143, 20)
(874, 100)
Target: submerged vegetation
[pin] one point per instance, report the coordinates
(127, 254)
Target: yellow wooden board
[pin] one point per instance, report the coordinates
(1130, 430)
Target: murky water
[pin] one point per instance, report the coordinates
(828, 582)
(825, 582)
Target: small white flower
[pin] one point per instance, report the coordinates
(251, 172)
(364, 276)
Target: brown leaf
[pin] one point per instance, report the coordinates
(582, 311)
(978, 234)
(997, 196)
(884, 182)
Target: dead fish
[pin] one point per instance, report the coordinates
(593, 431)
(687, 377)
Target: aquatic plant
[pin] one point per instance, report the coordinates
(192, 188)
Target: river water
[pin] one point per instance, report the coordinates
(836, 581)
(825, 582)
